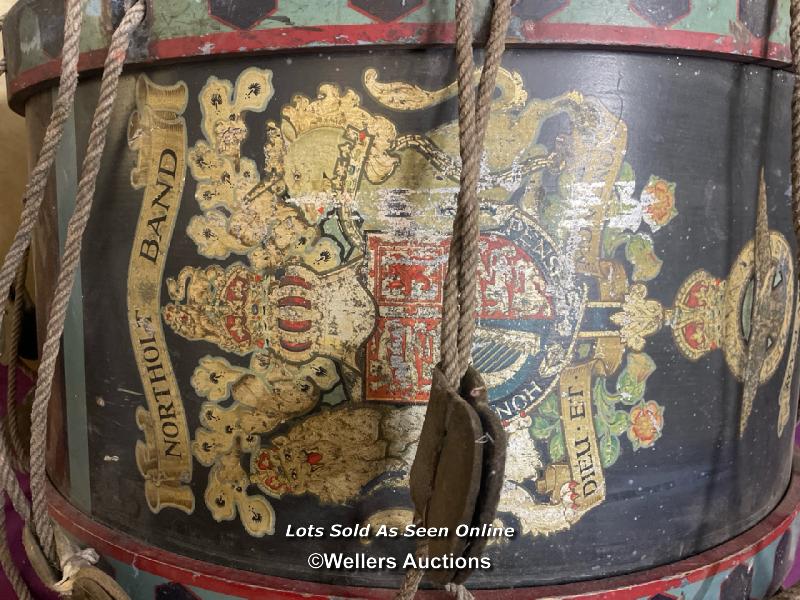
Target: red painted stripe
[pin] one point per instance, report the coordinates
(443, 33)
(653, 37)
(299, 37)
(544, 33)
(294, 326)
(224, 580)
(181, 569)
(295, 346)
(294, 301)
(294, 280)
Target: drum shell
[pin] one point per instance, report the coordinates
(697, 134)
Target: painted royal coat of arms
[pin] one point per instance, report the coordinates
(317, 284)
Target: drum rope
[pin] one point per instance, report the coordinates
(19, 453)
(37, 180)
(9, 566)
(69, 264)
(12, 270)
(794, 34)
(459, 305)
(10, 425)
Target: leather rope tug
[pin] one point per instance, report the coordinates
(458, 470)
(47, 547)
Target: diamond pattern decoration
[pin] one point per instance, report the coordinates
(739, 584)
(174, 591)
(51, 18)
(385, 10)
(661, 12)
(241, 14)
(758, 16)
(536, 10)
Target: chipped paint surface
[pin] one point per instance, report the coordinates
(312, 278)
(298, 306)
(181, 28)
(755, 567)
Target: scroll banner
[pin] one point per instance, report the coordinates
(785, 398)
(157, 132)
(575, 390)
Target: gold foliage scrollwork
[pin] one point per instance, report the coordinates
(399, 95)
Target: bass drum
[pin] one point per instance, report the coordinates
(252, 335)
